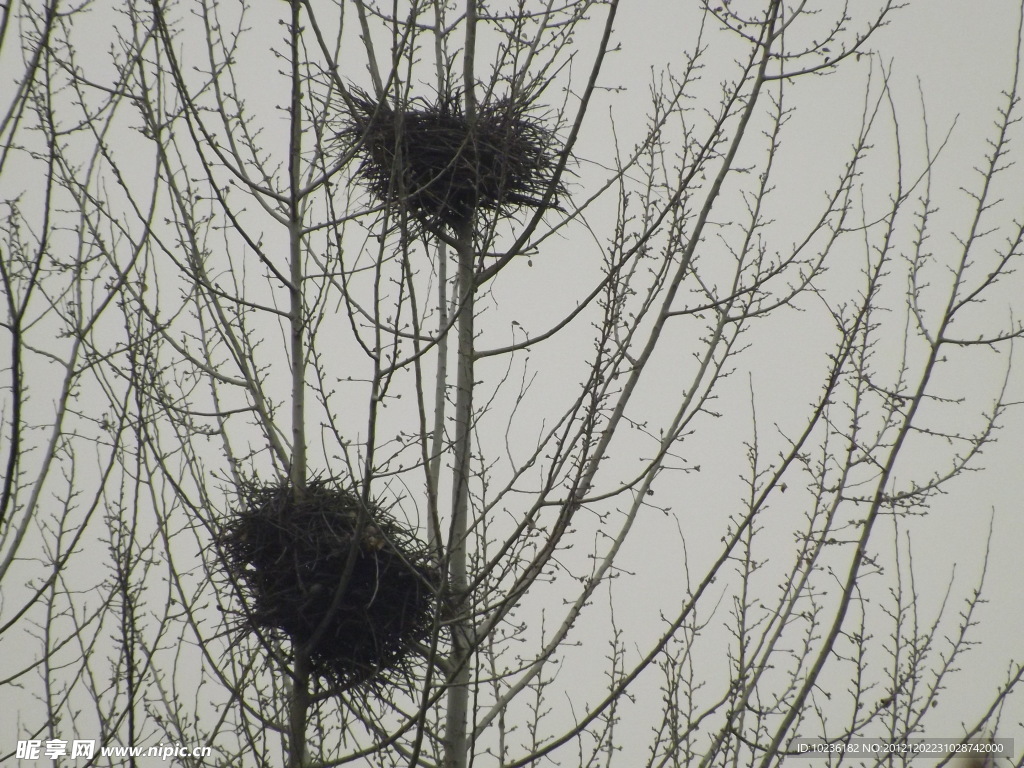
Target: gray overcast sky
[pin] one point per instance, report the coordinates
(960, 55)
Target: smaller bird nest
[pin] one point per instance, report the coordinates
(347, 583)
(431, 159)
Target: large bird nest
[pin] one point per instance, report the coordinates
(346, 583)
(441, 166)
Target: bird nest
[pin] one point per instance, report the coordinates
(441, 166)
(347, 584)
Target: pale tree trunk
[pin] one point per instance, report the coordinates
(456, 746)
(456, 742)
(298, 706)
(435, 533)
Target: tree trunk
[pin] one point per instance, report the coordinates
(458, 693)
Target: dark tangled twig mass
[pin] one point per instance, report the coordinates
(441, 166)
(348, 583)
